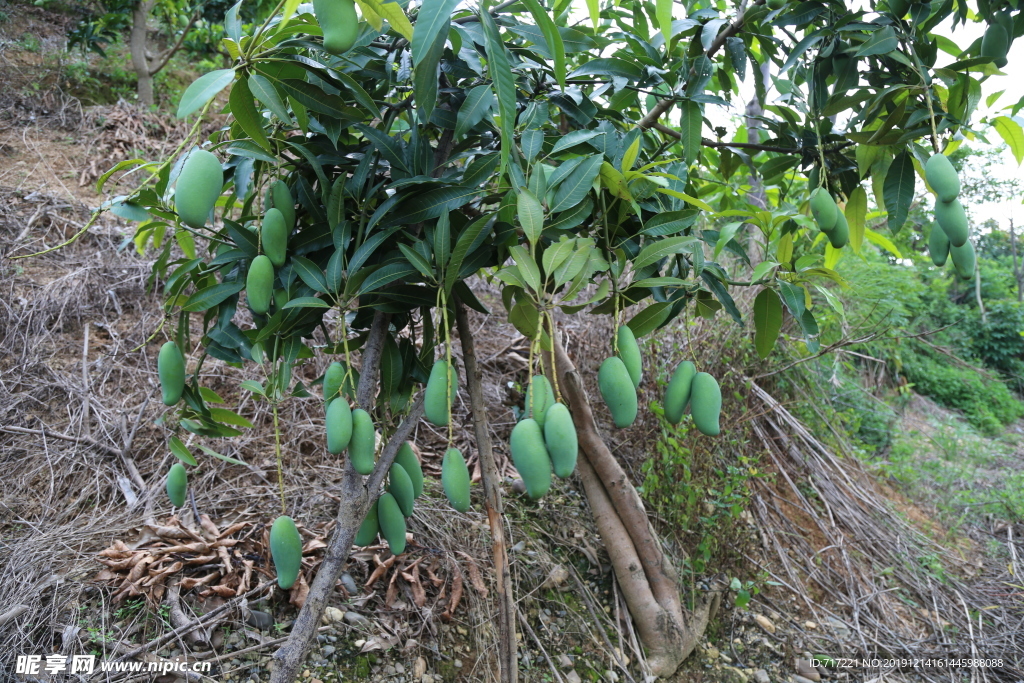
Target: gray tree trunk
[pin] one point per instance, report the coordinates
(137, 49)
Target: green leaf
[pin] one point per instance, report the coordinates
(477, 105)
(650, 319)
(898, 190)
(690, 125)
(388, 147)
(663, 12)
(121, 165)
(725, 235)
(767, 321)
(531, 215)
(793, 296)
(315, 99)
(214, 454)
(882, 241)
(442, 239)
(230, 417)
(416, 259)
(465, 242)
(287, 13)
(654, 252)
(1012, 134)
(577, 184)
(856, 215)
(883, 41)
(500, 71)
(246, 114)
(630, 155)
(264, 91)
(310, 273)
(595, 12)
(395, 16)
(307, 302)
(211, 296)
(432, 204)
(253, 386)
(385, 276)
(428, 37)
(556, 254)
(180, 452)
(527, 267)
(551, 36)
(360, 95)
(609, 66)
(204, 89)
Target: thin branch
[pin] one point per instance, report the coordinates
(170, 52)
(109, 450)
(747, 145)
(828, 349)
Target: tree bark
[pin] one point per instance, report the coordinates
(507, 662)
(648, 580)
(1018, 276)
(137, 48)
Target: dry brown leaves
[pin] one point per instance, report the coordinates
(209, 560)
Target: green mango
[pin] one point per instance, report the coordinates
(369, 529)
(177, 484)
(964, 260)
(286, 549)
(942, 177)
(392, 523)
(339, 22)
(953, 221)
(560, 440)
(618, 391)
(995, 44)
(824, 209)
(706, 404)
(840, 234)
(530, 456)
(336, 384)
(539, 398)
(363, 446)
(899, 8)
(678, 393)
(400, 486)
(274, 237)
(198, 187)
(629, 352)
(938, 245)
(170, 367)
(455, 479)
(259, 284)
(437, 400)
(339, 426)
(284, 202)
(406, 457)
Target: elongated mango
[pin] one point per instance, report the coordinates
(455, 479)
(942, 177)
(392, 523)
(363, 445)
(274, 237)
(339, 22)
(953, 221)
(706, 403)
(964, 259)
(198, 186)
(285, 203)
(995, 44)
(560, 440)
(618, 391)
(370, 527)
(400, 486)
(629, 352)
(406, 457)
(170, 366)
(259, 284)
(677, 395)
(938, 245)
(336, 383)
(286, 549)
(840, 234)
(439, 396)
(339, 426)
(177, 484)
(530, 456)
(539, 398)
(824, 209)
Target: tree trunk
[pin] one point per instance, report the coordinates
(137, 49)
(648, 580)
(1018, 276)
(508, 665)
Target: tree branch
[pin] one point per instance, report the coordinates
(661, 127)
(162, 60)
(370, 361)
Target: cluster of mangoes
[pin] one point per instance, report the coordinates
(949, 233)
(387, 514)
(277, 224)
(619, 378)
(830, 218)
(544, 441)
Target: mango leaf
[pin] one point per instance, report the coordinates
(1012, 134)
(527, 267)
(609, 66)
(654, 252)
(882, 241)
(531, 215)
(267, 94)
(594, 9)
(209, 297)
(577, 184)
(394, 14)
(793, 296)
(476, 106)
(690, 125)
(649, 319)
(500, 71)
(551, 36)
(767, 321)
(881, 42)
(663, 12)
(204, 89)
(246, 114)
(465, 243)
(307, 302)
(179, 451)
(898, 190)
(856, 214)
(385, 276)
(309, 273)
(432, 204)
(428, 38)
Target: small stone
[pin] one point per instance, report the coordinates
(564, 661)
(426, 678)
(761, 676)
(611, 676)
(711, 652)
(260, 620)
(810, 625)
(556, 577)
(461, 631)
(306, 673)
(389, 670)
(801, 679)
(730, 674)
(765, 623)
(457, 663)
(349, 583)
(519, 547)
(519, 486)
(572, 677)
(327, 650)
(356, 619)
(333, 615)
(804, 668)
(419, 668)
(399, 669)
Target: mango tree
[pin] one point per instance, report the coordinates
(564, 151)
